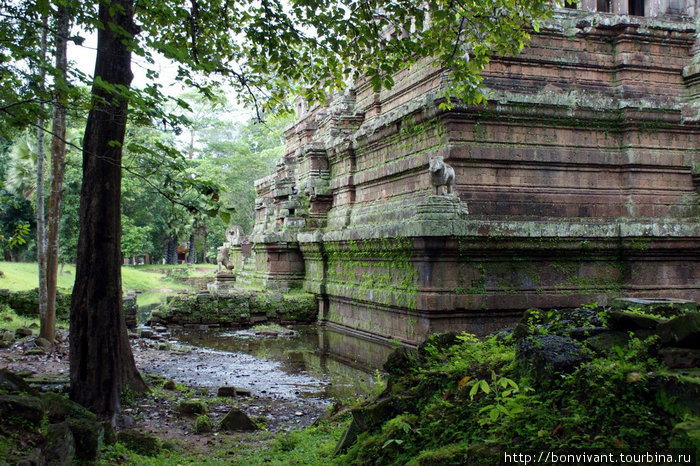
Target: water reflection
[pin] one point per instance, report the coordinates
(325, 363)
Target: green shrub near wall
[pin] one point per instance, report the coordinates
(236, 308)
(26, 303)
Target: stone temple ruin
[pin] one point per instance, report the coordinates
(578, 182)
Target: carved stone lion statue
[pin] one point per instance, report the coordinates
(222, 259)
(442, 176)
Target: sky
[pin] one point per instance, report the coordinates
(84, 58)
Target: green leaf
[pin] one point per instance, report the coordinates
(484, 386)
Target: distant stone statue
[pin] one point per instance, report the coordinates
(442, 176)
(222, 259)
(233, 234)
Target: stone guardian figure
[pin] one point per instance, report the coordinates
(442, 176)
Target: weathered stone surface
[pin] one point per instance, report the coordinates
(15, 384)
(21, 408)
(193, 406)
(89, 438)
(605, 342)
(551, 354)
(8, 336)
(131, 310)
(686, 435)
(59, 448)
(401, 361)
(141, 443)
(682, 331)
(43, 342)
(237, 421)
(563, 207)
(630, 322)
(226, 391)
(681, 394)
(59, 408)
(680, 358)
(23, 332)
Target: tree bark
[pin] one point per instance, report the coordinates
(58, 168)
(191, 258)
(40, 213)
(101, 362)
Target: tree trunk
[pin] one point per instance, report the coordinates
(173, 250)
(58, 168)
(190, 253)
(40, 214)
(101, 362)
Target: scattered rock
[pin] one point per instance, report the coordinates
(59, 408)
(682, 331)
(193, 406)
(686, 435)
(242, 392)
(23, 332)
(680, 358)
(237, 421)
(8, 336)
(226, 391)
(19, 409)
(139, 442)
(59, 448)
(630, 322)
(89, 438)
(43, 343)
(33, 325)
(551, 354)
(401, 361)
(605, 342)
(582, 333)
(169, 385)
(203, 424)
(145, 333)
(14, 383)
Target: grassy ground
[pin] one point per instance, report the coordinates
(18, 276)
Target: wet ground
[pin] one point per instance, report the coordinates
(290, 378)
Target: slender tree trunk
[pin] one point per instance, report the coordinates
(40, 214)
(173, 250)
(58, 168)
(101, 362)
(190, 252)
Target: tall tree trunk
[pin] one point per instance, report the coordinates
(40, 214)
(58, 168)
(190, 252)
(173, 250)
(101, 362)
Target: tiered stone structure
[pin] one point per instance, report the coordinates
(577, 182)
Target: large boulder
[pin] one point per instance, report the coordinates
(631, 322)
(141, 443)
(59, 408)
(20, 409)
(59, 445)
(551, 354)
(237, 421)
(682, 331)
(89, 438)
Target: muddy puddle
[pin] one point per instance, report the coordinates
(296, 376)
